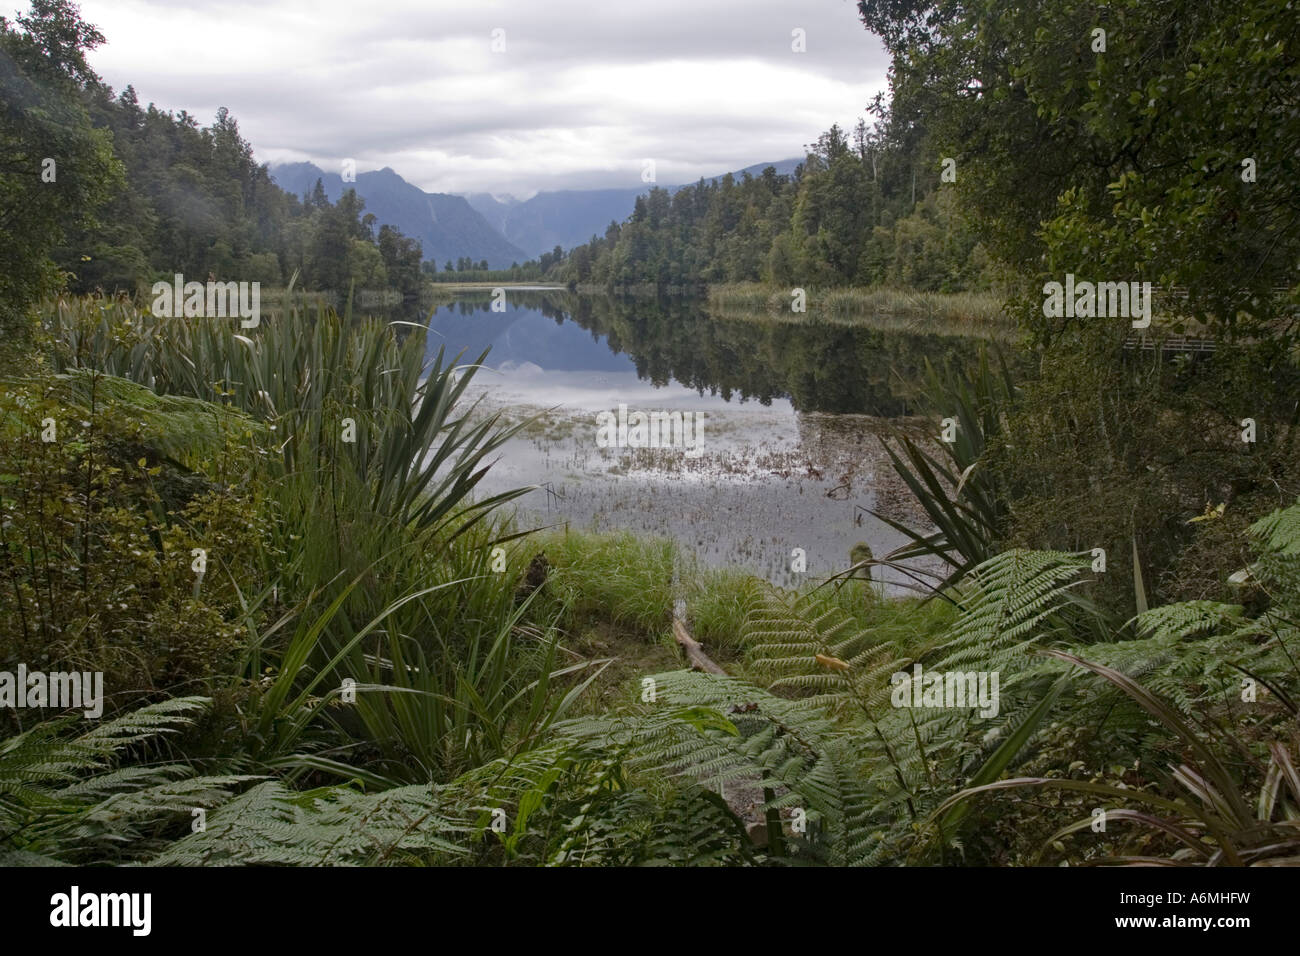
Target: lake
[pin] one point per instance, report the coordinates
(790, 417)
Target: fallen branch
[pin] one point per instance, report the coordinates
(694, 651)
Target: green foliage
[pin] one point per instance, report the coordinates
(689, 827)
(197, 203)
(719, 730)
(718, 603)
(270, 825)
(342, 567)
(960, 494)
(805, 647)
(366, 560)
(43, 120)
(99, 526)
(1099, 451)
(618, 578)
(849, 213)
(200, 205)
(862, 770)
(418, 451)
(1223, 827)
(88, 797)
(1128, 164)
(973, 314)
(1015, 599)
(1279, 532)
(1125, 161)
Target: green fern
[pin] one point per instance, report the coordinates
(716, 731)
(1014, 603)
(330, 826)
(63, 799)
(810, 648)
(1279, 532)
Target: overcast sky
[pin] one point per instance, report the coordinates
(582, 93)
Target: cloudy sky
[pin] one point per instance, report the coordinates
(580, 96)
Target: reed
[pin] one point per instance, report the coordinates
(953, 313)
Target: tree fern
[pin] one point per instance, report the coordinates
(913, 755)
(571, 803)
(1195, 651)
(1009, 607)
(32, 761)
(721, 730)
(811, 648)
(183, 428)
(1279, 532)
(330, 826)
(62, 798)
(689, 826)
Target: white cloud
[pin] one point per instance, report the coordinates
(583, 92)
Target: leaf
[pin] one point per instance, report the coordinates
(706, 718)
(834, 663)
(1139, 590)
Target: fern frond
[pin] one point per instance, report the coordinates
(1012, 596)
(335, 826)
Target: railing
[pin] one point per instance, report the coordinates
(1171, 343)
(1180, 343)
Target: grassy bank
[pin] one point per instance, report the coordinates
(479, 286)
(621, 584)
(960, 312)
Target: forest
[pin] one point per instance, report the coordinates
(850, 215)
(321, 641)
(146, 193)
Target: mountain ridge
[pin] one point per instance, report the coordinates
(481, 226)
(570, 217)
(447, 226)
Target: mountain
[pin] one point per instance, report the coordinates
(566, 217)
(570, 217)
(784, 167)
(447, 226)
(479, 225)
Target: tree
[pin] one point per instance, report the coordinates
(56, 169)
(1121, 143)
(1168, 156)
(318, 199)
(401, 256)
(56, 33)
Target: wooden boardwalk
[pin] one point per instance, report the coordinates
(1170, 343)
(1141, 338)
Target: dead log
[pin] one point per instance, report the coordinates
(694, 651)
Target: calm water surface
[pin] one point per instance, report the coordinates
(791, 415)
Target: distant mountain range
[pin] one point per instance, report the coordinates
(479, 225)
(447, 226)
(570, 217)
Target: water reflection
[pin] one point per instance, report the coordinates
(793, 414)
(675, 344)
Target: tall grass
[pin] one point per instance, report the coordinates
(378, 569)
(944, 313)
(616, 578)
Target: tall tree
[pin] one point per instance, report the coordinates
(56, 170)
